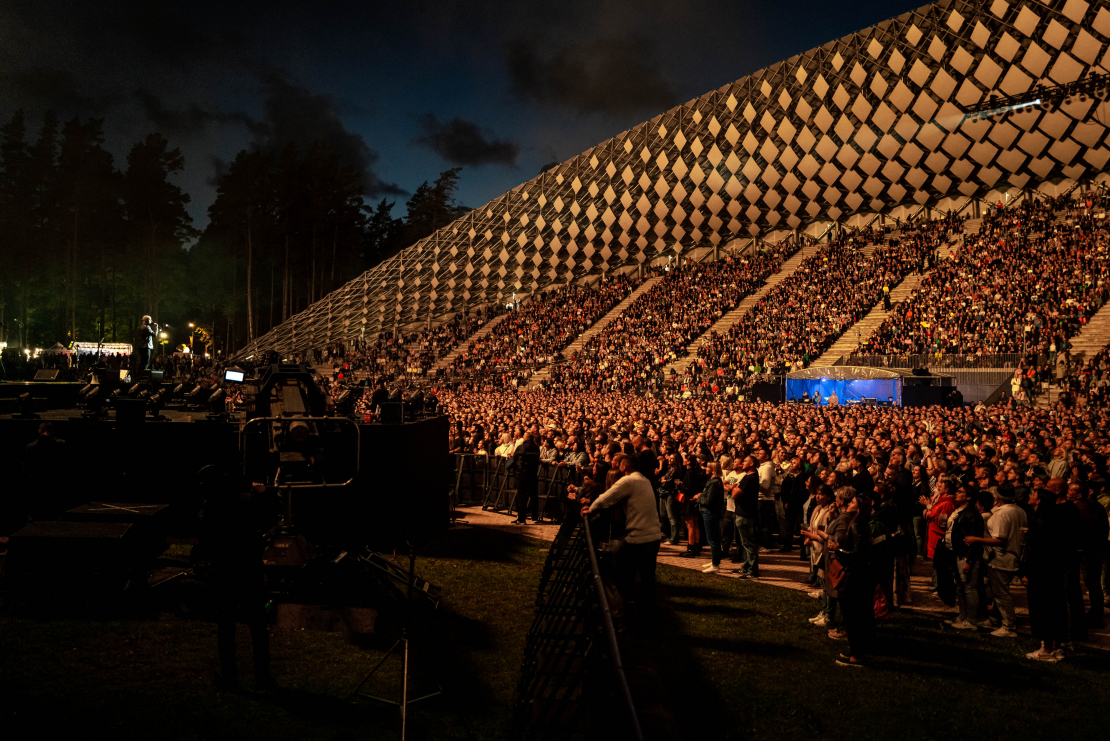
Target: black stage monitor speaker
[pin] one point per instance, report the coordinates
(393, 413)
(921, 371)
(130, 410)
(45, 374)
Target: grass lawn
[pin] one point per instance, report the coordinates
(738, 660)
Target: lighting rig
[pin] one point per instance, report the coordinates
(1043, 97)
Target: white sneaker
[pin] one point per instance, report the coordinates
(710, 569)
(822, 621)
(706, 565)
(817, 617)
(1004, 632)
(963, 625)
(816, 593)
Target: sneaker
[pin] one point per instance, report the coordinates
(742, 574)
(817, 617)
(984, 624)
(963, 625)
(822, 621)
(816, 593)
(765, 550)
(838, 635)
(1004, 633)
(1059, 653)
(849, 662)
(711, 569)
(1041, 655)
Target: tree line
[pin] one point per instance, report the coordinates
(87, 247)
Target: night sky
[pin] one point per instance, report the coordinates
(404, 90)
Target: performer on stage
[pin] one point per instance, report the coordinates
(146, 342)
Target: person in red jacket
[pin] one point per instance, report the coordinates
(936, 516)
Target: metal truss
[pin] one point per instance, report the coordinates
(867, 124)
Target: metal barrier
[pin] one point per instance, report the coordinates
(563, 677)
(939, 362)
(487, 480)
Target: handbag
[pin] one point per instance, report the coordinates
(837, 573)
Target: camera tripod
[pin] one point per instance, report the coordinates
(400, 647)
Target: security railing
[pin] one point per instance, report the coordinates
(565, 687)
(938, 362)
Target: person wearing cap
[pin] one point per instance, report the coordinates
(1003, 541)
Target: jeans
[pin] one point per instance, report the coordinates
(967, 589)
(787, 524)
(767, 522)
(747, 546)
(711, 528)
(668, 512)
(1003, 601)
(1077, 616)
(1093, 576)
(728, 533)
(919, 535)
(637, 559)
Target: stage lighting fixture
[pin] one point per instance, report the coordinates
(178, 390)
(396, 395)
(431, 403)
(116, 394)
(134, 390)
(216, 400)
(299, 431)
(85, 391)
(194, 395)
(345, 402)
(27, 406)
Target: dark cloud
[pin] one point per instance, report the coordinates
(614, 76)
(190, 120)
(463, 143)
(296, 115)
(50, 87)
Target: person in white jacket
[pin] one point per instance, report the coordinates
(638, 555)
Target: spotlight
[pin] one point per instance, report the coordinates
(85, 391)
(134, 390)
(299, 431)
(396, 395)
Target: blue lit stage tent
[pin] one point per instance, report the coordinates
(852, 384)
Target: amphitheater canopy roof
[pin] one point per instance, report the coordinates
(843, 373)
(867, 124)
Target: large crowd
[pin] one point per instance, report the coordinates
(829, 292)
(1026, 282)
(657, 327)
(536, 332)
(987, 495)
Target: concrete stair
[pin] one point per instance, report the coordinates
(862, 329)
(1094, 336)
(722, 325)
(579, 342)
(485, 329)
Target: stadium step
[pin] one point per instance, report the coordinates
(1094, 336)
(449, 358)
(722, 325)
(862, 329)
(600, 324)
